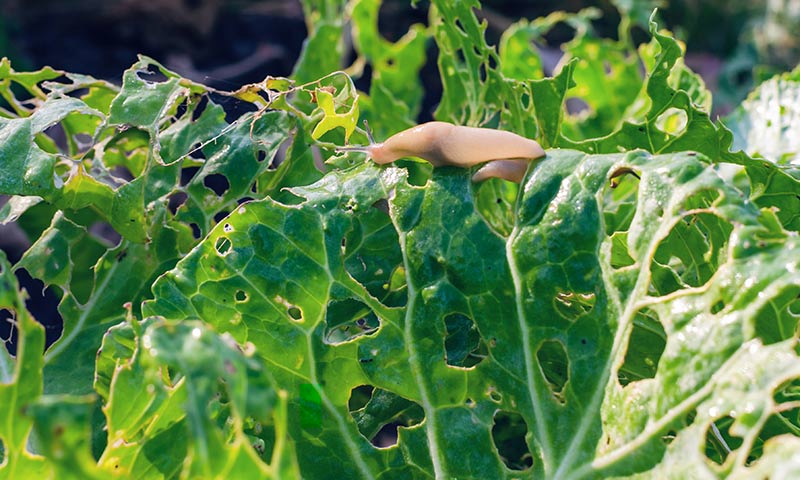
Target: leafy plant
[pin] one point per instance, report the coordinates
(629, 309)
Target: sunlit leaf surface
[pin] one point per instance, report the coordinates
(240, 301)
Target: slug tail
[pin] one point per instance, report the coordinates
(511, 170)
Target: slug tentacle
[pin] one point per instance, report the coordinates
(443, 143)
(369, 133)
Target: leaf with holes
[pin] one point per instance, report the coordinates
(21, 381)
(157, 180)
(629, 309)
(174, 424)
(501, 341)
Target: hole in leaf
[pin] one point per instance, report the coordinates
(175, 200)
(482, 73)
(460, 55)
(782, 423)
(57, 135)
(492, 62)
(577, 107)
(397, 282)
(104, 232)
(196, 232)
(217, 183)
(371, 255)
(6, 323)
(122, 172)
(42, 303)
(620, 200)
(508, 434)
(645, 347)
(359, 397)
(182, 107)
(395, 19)
(553, 361)
(187, 174)
(12, 341)
(199, 107)
(295, 313)
(83, 141)
(378, 413)
(494, 395)
(719, 442)
(788, 392)
(460, 27)
(620, 256)
(572, 305)
(607, 69)
(222, 245)
(195, 152)
(386, 436)
(280, 156)
(152, 75)
(240, 296)
(463, 344)
(221, 215)
(673, 121)
(690, 254)
(778, 319)
(348, 319)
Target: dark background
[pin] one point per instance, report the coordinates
(230, 43)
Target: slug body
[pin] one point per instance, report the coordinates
(442, 143)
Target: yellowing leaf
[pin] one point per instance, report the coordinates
(332, 118)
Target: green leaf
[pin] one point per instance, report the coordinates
(20, 381)
(210, 417)
(15, 207)
(204, 359)
(321, 53)
(32, 169)
(670, 114)
(142, 101)
(29, 81)
(636, 12)
(333, 119)
(606, 77)
(629, 309)
(475, 92)
(395, 94)
(61, 424)
(550, 303)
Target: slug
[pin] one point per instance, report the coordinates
(442, 143)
